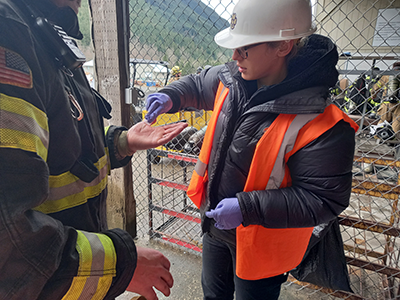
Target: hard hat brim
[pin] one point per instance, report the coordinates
(226, 39)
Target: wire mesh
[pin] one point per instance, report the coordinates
(169, 33)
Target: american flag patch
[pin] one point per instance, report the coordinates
(14, 70)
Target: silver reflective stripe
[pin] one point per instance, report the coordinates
(67, 190)
(76, 187)
(222, 91)
(97, 265)
(23, 126)
(278, 171)
(200, 168)
(98, 254)
(26, 124)
(89, 289)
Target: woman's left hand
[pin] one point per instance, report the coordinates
(227, 214)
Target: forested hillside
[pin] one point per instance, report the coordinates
(84, 23)
(180, 32)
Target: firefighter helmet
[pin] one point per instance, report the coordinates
(175, 70)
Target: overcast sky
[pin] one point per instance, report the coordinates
(224, 7)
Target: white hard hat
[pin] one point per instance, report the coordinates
(256, 21)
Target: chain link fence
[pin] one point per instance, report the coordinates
(171, 33)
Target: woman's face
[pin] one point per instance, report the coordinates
(264, 63)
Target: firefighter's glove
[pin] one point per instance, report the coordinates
(227, 214)
(157, 104)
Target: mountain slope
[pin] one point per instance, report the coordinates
(182, 30)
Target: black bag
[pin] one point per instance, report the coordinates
(357, 95)
(324, 263)
(358, 91)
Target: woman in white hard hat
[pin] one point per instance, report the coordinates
(276, 159)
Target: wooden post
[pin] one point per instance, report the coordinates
(110, 28)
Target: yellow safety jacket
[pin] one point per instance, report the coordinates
(264, 252)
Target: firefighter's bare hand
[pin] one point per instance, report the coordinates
(142, 136)
(152, 271)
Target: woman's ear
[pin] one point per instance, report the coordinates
(285, 48)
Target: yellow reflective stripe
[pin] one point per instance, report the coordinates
(380, 84)
(374, 103)
(23, 108)
(23, 126)
(67, 190)
(110, 256)
(97, 267)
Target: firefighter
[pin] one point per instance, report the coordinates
(276, 159)
(390, 109)
(374, 100)
(54, 162)
(357, 95)
(175, 74)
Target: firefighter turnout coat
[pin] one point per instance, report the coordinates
(54, 162)
(320, 170)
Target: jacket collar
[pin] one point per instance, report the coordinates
(62, 16)
(311, 100)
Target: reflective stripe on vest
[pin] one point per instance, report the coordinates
(67, 190)
(256, 258)
(97, 267)
(23, 126)
(197, 187)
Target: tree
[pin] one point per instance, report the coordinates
(84, 24)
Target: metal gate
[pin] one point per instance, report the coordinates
(169, 33)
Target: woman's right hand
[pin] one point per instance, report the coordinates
(157, 104)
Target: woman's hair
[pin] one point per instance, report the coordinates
(296, 47)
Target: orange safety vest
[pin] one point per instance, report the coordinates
(197, 186)
(263, 252)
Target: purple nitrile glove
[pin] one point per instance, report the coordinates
(227, 214)
(157, 104)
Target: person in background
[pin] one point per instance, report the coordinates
(54, 161)
(276, 159)
(374, 99)
(356, 96)
(359, 95)
(176, 74)
(389, 109)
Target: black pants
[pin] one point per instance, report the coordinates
(218, 277)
